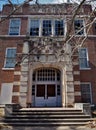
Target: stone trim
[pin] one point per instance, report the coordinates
(17, 72)
(76, 72)
(15, 94)
(76, 82)
(75, 63)
(77, 93)
(16, 83)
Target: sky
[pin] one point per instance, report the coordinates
(20, 1)
(40, 1)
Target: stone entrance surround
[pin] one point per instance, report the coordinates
(65, 67)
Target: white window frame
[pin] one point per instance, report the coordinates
(52, 26)
(30, 26)
(63, 27)
(6, 58)
(84, 33)
(18, 29)
(87, 59)
(47, 27)
(88, 83)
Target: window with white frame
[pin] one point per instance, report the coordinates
(47, 28)
(86, 94)
(59, 27)
(79, 27)
(10, 58)
(14, 28)
(83, 58)
(34, 27)
(46, 74)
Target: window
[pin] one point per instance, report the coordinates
(14, 27)
(33, 90)
(34, 28)
(95, 26)
(10, 58)
(83, 58)
(86, 92)
(47, 28)
(46, 75)
(79, 27)
(59, 27)
(58, 90)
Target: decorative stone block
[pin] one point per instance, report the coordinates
(70, 88)
(70, 99)
(76, 82)
(17, 73)
(22, 101)
(77, 93)
(23, 89)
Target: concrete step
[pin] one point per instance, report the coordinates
(16, 124)
(29, 110)
(46, 112)
(48, 120)
(47, 116)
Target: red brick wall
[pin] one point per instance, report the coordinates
(7, 76)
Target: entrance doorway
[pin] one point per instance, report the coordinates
(46, 95)
(46, 88)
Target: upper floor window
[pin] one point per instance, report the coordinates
(86, 92)
(83, 58)
(47, 28)
(10, 58)
(34, 27)
(14, 28)
(79, 27)
(59, 27)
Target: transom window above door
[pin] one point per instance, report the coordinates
(46, 74)
(47, 27)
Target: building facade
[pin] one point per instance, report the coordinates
(46, 59)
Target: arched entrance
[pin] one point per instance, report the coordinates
(46, 87)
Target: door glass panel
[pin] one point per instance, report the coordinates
(40, 91)
(33, 90)
(58, 90)
(50, 90)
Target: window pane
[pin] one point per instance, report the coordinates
(86, 93)
(34, 28)
(10, 58)
(82, 53)
(83, 62)
(47, 27)
(59, 27)
(11, 53)
(14, 27)
(83, 59)
(79, 27)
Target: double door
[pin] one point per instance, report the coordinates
(45, 95)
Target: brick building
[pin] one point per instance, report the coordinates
(36, 66)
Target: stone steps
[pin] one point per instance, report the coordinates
(48, 124)
(47, 117)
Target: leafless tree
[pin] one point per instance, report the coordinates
(69, 38)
